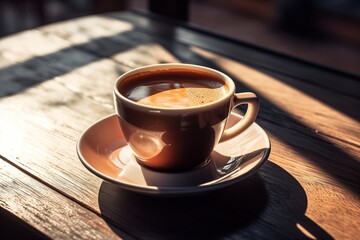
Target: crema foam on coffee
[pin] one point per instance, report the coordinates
(174, 89)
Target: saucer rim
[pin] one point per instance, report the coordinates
(154, 190)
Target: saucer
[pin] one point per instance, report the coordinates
(102, 149)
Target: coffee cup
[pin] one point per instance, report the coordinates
(172, 115)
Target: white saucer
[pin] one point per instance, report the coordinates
(103, 151)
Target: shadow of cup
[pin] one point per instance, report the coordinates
(270, 204)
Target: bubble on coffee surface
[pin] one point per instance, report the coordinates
(200, 96)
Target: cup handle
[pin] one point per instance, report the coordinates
(250, 116)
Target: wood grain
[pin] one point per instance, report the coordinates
(48, 211)
(50, 94)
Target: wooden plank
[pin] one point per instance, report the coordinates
(38, 205)
(254, 56)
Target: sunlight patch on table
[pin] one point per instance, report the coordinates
(18, 48)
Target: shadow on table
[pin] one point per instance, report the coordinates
(12, 227)
(269, 205)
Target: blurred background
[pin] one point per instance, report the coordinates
(326, 32)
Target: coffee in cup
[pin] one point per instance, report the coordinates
(172, 115)
(173, 89)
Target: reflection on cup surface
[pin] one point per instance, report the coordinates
(146, 145)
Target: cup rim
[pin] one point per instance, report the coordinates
(227, 80)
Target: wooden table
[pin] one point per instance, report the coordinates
(55, 81)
